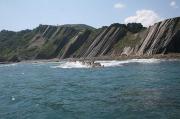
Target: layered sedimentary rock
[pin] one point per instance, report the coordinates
(67, 41)
(56, 39)
(163, 37)
(105, 40)
(75, 43)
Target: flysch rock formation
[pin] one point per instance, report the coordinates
(163, 37)
(83, 41)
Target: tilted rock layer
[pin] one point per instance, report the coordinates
(163, 37)
(81, 41)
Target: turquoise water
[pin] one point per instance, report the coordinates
(128, 91)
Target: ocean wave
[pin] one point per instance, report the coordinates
(8, 65)
(112, 63)
(68, 64)
(120, 63)
(144, 61)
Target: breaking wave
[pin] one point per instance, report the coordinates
(8, 65)
(112, 63)
(68, 64)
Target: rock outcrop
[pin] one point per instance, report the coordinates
(82, 41)
(75, 43)
(105, 40)
(163, 37)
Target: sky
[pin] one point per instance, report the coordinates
(18, 15)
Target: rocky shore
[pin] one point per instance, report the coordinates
(83, 42)
(158, 56)
(89, 60)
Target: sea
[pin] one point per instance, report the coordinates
(129, 89)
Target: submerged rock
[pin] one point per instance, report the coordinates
(91, 64)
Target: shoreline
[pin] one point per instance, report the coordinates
(118, 58)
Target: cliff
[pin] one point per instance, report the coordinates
(78, 40)
(161, 38)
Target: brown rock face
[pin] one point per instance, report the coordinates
(75, 43)
(163, 37)
(81, 41)
(105, 40)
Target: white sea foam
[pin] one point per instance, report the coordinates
(8, 65)
(112, 63)
(76, 64)
(13, 98)
(144, 61)
(120, 63)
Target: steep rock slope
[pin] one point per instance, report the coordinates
(11, 43)
(63, 41)
(75, 43)
(105, 40)
(82, 41)
(56, 38)
(163, 37)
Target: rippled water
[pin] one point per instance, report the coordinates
(129, 90)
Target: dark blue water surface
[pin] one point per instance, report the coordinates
(130, 91)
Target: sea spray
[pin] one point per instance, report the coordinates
(112, 63)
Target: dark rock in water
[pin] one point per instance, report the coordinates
(91, 64)
(97, 65)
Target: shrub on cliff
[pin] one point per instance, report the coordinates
(134, 27)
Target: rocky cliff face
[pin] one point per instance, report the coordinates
(103, 43)
(163, 37)
(46, 41)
